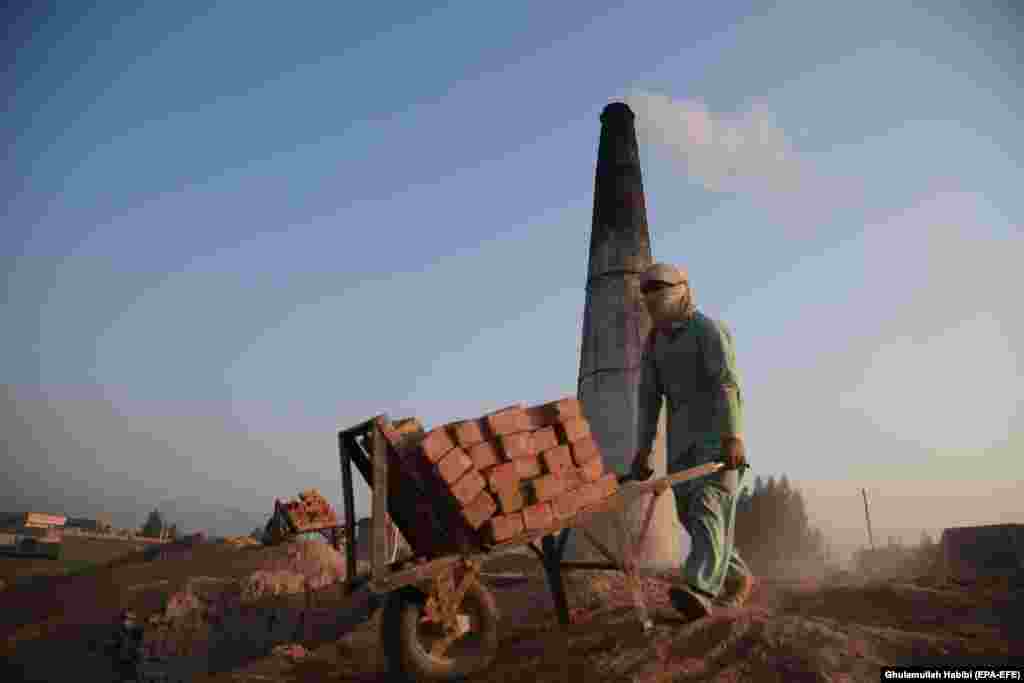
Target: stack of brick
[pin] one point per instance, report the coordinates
(311, 509)
(484, 481)
(548, 468)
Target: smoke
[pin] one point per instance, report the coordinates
(745, 152)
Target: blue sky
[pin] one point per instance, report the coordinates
(232, 228)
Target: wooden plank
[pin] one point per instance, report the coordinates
(348, 496)
(379, 549)
(553, 571)
(602, 548)
(631, 489)
(591, 566)
(360, 459)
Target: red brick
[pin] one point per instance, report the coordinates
(528, 467)
(517, 445)
(467, 432)
(548, 414)
(484, 455)
(545, 487)
(587, 495)
(503, 476)
(436, 444)
(573, 478)
(391, 435)
(557, 460)
(572, 429)
(565, 407)
(480, 510)
(468, 488)
(545, 439)
(510, 499)
(539, 418)
(504, 527)
(592, 470)
(566, 504)
(409, 425)
(584, 450)
(506, 421)
(539, 516)
(607, 485)
(454, 465)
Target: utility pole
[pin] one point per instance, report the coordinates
(867, 516)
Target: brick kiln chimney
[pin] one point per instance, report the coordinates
(615, 326)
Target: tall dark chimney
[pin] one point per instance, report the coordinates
(616, 324)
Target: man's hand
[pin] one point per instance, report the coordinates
(734, 453)
(641, 470)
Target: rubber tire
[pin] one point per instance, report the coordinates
(406, 659)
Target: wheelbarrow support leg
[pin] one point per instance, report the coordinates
(553, 550)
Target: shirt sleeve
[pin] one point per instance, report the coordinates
(649, 398)
(720, 364)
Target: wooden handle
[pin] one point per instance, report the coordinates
(635, 488)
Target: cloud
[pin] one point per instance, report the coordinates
(745, 152)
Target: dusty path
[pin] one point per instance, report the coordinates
(789, 632)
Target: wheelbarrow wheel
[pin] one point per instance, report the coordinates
(408, 640)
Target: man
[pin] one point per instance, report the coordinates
(689, 359)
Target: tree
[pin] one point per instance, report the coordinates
(154, 524)
(772, 523)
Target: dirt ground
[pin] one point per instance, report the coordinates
(51, 628)
(77, 552)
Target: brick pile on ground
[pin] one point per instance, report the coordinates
(310, 509)
(487, 480)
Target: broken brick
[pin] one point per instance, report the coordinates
(592, 470)
(545, 439)
(572, 429)
(503, 476)
(454, 465)
(557, 460)
(436, 444)
(528, 467)
(467, 432)
(506, 421)
(517, 445)
(584, 450)
(480, 510)
(468, 487)
(503, 527)
(484, 454)
(545, 487)
(509, 499)
(538, 516)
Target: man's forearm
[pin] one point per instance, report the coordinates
(731, 411)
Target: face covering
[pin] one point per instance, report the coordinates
(669, 305)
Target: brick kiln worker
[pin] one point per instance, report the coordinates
(690, 360)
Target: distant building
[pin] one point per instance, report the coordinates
(33, 533)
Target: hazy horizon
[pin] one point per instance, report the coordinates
(231, 230)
